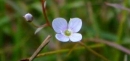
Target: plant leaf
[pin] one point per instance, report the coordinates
(38, 29)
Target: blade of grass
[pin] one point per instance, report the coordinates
(2, 55)
(120, 30)
(92, 18)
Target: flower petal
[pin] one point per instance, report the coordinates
(75, 37)
(59, 24)
(62, 38)
(75, 24)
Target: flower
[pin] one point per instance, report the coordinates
(66, 32)
(28, 17)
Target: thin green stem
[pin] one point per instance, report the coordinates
(62, 51)
(67, 50)
(92, 51)
(33, 24)
(72, 49)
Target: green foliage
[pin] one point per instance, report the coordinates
(100, 21)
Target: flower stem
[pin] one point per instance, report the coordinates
(44, 43)
(44, 12)
(33, 24)
(72, 49)
(92, 51)
(62, 51)
(67, 50)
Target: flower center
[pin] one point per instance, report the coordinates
(67, 32)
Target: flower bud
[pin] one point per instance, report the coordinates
(28, 17)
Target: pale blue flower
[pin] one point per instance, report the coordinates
(67, 31)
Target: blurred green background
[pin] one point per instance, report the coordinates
(100, 21)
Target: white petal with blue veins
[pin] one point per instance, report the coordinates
(62, 38)
(75, 24)
(75, 37)
(59, 24)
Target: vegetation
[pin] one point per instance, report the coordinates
(105, 30)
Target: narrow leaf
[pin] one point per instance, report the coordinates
(40, 28)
